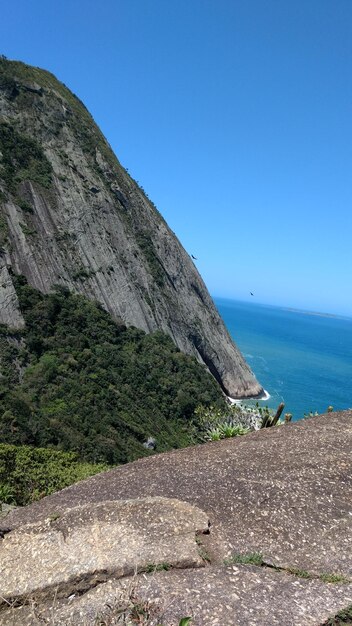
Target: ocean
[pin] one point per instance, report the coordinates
(301, 359)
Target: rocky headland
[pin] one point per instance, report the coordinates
(71, 215)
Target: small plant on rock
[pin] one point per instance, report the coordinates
(247, 558)
(215, 424)
(6, 494)
(342, 618)
(226, 431)
(150, 568)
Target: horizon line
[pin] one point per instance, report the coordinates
(290, 309)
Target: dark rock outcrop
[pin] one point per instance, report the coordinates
(70, 214)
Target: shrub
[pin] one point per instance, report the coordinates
(216, 423)
(226, 431)
(77, 380)
(28, 474)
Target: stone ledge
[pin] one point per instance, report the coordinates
(76, 550)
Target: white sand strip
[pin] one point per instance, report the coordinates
(264, 397)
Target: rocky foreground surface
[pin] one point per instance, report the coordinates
(164, 537)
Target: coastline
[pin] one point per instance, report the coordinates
(264, 396)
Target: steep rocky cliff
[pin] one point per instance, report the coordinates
(70, 214)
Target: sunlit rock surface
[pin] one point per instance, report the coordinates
(72, 215)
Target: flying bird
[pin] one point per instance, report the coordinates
(252, 294)
(193, 257)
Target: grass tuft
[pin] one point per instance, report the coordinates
(342, 618)
(151, 568)
(334, 578)
(248, 558)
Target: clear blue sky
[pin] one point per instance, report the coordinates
(234, 115)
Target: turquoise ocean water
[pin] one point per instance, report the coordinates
(302, 359)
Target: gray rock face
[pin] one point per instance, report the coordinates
(9, 311)
(71, 215)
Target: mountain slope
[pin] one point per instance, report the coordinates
(71, 215)
(75, 379)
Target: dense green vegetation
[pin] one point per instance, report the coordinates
(156, 269)
(27, 474)
(75, 379)
(3, 230)
(22, 159)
